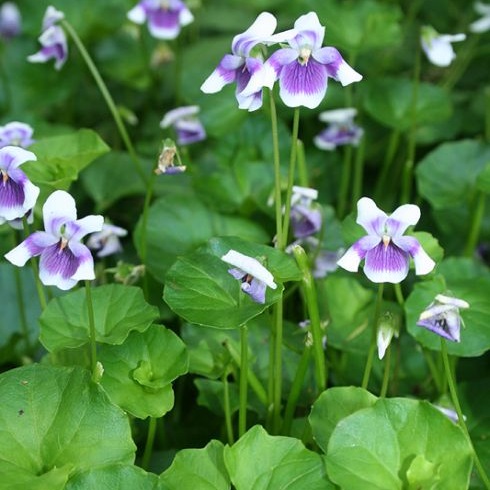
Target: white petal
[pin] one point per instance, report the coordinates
(370, 217)
(59, 205)
(137, 15)
(352, 258)
(185, 17)
(347, 75)
(403, 217)
(250, 266)
(339, 116)
(450, 300)
(480, 25)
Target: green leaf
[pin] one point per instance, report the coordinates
(211, 396)
(118, 310)
(179, 225)
(483, 179)
(200, 289)
(55, 422)
(114, 477)
(138, 374)
(389, 101)
(447, 176)
(332, 406)
(475, 338)
(202, 469)
(392, 444)
(260, 461)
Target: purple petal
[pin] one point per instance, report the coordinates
(255, 289)
(175, 115)
(57, 266)
(423, 263)
(10, 20)
(85, 269)
(54, 45)
(163, 23)
(275, 63)
(76, 230)
(262, 28)
(310, 32)
(17, 195)
(444, 320)
(386, 263)
(225, 73)
(17, 134)
(32, 246)
(305, 221)
(352, 258)
(336, 67)
(337, 135)
(12, 157)
(237, 273)
(189, 132)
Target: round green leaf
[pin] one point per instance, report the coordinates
(202, 469)
(398, 443)
(261, 462)
(118, 310)
(138, 374)
(332, 406)
(56, 422)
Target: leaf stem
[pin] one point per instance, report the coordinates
(476, 222)
(91, 323)
(242, 411)
(227, 409)
(386, 374)
(150, 439)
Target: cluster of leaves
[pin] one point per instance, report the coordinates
(62, 430)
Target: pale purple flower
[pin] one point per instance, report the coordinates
(106, 242)
(450, 413)
(306, 219)
(64, 259)
(385, 250)
(16, 134)
(18, 194)
(443, 318)
(165, 17)
(10, 20)
(186, 124)
(437, 47)
(240, 66)
(482, 24)
(341, 129)
(253, 275)
(387, 329)
(304, 67)
(52, 39)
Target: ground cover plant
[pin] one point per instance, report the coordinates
(245, 244)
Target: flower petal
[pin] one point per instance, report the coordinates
(423, 263)
(480, 25)
(13, 157)
(32, 246)
(351, 259)
(57, 266)
(310, 32)
(250, 266)
(85, 269)
(223, 74)
(17, 195)
(386, 263)
(263, 27)
(171, 117)
(255, 289)
(336, 67)
(163, 23)
(444, 320)
(137, 14)
(403, 217)
(370, 217)
(58, 209)
(339, 116)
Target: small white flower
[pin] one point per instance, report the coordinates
(437, 47)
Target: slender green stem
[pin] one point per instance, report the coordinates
(358, 173)
(227, 408)
(386, 374)
(242, 410)
(21, 304)
(291, 176)
(150, 439)
(454, 395)
(303, 178)
(399, 294)
(108, 99)
(345, 179)
(314, 316)
(372, 347)
(381, 183)
(476, 222)
(295, 391)
(277, 394)
(91, 323)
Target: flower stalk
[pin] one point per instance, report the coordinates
(243, 389)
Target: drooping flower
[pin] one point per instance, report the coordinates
(387, 329)
(253, 275)
(240, 66)
(18, 194)
(165, 17)
(52, 39)
(106, 242)
(16, 134)
(483, 24)
(303, 69)
(437, 47)
(166, 164)
(386, 252)
(306, 219)
(10, 20)
(186, 124)
(64, 259)
(443, 318)
(341, 129)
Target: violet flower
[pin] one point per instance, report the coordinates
(303, 69)
(187, 126)
(386, 252)
(106, 242)
(306, 219)
(165, 17)
(18, 194)
(437, 47)
(16, 134)
(52, 39)
(253, 275)
(240, 66)
(10, 20)
(64, 260)
(341, 129)
(483, 24)
(443, 318)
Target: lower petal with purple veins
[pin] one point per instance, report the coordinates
(256, 290)
(352, 258)
(423, 263)
(164, 23)
(386, 263)
(57, 266)
(12, 198)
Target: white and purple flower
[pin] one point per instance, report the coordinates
(443, 318)
(52, 39)
(240, 66)
(341, 129)
(64, 259)
(306, 219)
(483, 24)
(385, 250)
(385, 333)
(253, 275)
(186, 124)
(10, 20)
(106, 242)
(16, 134)
(18, 194)
(437, 47)
(303, 69)
(165, 17)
